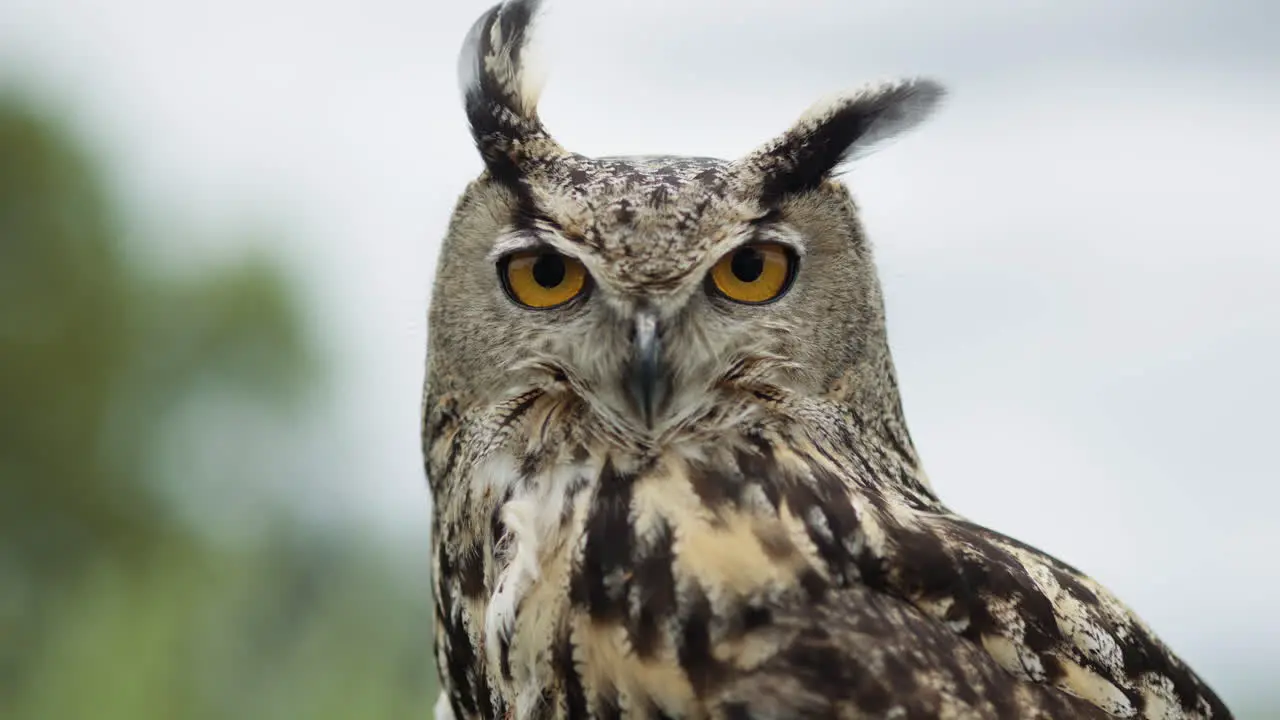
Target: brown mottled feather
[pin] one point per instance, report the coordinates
(780, 575)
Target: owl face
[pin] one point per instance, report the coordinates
(651, 289)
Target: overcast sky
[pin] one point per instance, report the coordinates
(1080, 253)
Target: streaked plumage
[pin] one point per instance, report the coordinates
(738, 526)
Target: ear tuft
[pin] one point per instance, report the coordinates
(836, 131)
(500, 90)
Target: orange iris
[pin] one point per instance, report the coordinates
(543, 278)
(754, 274)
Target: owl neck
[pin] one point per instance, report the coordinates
(539, 430)
(860, 408)
(868, 391)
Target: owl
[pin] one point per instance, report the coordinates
(670, 468)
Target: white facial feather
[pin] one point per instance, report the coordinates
(521, 518)
(443, 709)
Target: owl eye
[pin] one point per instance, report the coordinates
(542, 279)
(754, 274)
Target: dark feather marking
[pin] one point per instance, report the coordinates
(571, 682)
(545, 709)
(1141, 655)
(455, 449)
(825, 496)
(497, 528)
(842, 519)
(528, 217)
(1076, 589)
(825, 453)
(493, 111)
(445, 564)
(1042, 631)
(694, 649)
(484, 695)
(1005, 577)
(456, 705)
(895, 440)
(553, 413)
(965, 691)
(801, 500)
(655, 584)
(715, 487)
(765, 394)
(462, 661)
(504, 655)
(531, 463)
(689, 221)
(828, 673)
(1053, 668)
(608, 708)
(444, 412)
(916, 496)
(867, 468)
(755, 616)
(578, 176)
(866, 654)
(761, 468)
(772, 216)
(470, 562)
(974, 528)
(576, 485)
(624, 214)
(1065, 574)
(873, 569)
(457, 643)
(608, 551)
(514, 414)
(929, 570)
(1005, 703)
(815, 586)
(497, 533)
(897, 674)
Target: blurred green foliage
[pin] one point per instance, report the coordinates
(110, 606)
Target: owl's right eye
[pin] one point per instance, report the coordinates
(754, 274)
(542, 279)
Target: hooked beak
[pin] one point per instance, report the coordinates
(647, 379)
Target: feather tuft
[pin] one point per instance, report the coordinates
(500, 90)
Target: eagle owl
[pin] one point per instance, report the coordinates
(671, 473)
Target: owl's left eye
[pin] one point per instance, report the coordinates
(755, 274)
(542, 279)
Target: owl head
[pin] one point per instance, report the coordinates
(657, 292)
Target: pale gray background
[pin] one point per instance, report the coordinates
(1079, 253)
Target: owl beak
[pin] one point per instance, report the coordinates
(647, 374)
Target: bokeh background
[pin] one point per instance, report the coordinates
(218, 227)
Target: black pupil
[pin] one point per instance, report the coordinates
(747, 264)
(548, 270)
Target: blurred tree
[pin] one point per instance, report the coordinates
(110, 606)
(94, 352)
